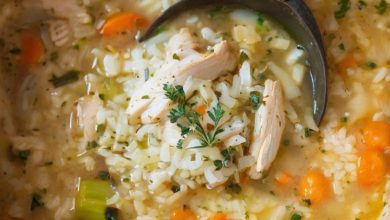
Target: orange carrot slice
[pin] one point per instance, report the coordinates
(123, 22)
(32, 49)
(182, 214)
(371, 169)
(219, 216)
(348, 61)
(315, 187)
(376, 135)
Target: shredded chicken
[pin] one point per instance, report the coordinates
(148, 104)
(269, 126)
(60, 32)
(87, 108)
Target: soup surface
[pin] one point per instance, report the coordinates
(208, 119)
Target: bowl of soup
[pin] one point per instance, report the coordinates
(210, 118)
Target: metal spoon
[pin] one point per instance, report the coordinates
(296, 18)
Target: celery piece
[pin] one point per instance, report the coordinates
(91, 199)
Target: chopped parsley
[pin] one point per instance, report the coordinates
(104, 175)
(36, 201)
(189, 120)
(24, 154)
(218, 164)
(308, 132)
(69, 77)
(255, 100)
(341, 46)
(344, 6)
(296, 216)
(236, 188)
(15, 51)
(307, 202)
(145, 97)
(175, 56)
(175, 188)
(382, 7)
(344, 119)
(371, 65)
(111, 213)
(243, 56)
(91, 145)
(214, 12)
(179, 144)
(101, 96)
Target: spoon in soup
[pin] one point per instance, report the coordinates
(294, 16)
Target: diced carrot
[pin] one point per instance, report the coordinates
(376, 135)
(122, 22)
(32, 49)
(348, 61)
(219, 216)
(371, 168)
(284, 178)
(315, 187)
(201, 109)
(182, 214)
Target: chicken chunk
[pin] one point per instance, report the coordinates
(87, 108)
(148, 104)
(268, 130)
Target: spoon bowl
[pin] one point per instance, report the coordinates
(294, 16)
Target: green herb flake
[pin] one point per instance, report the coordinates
(175, 188)
(91, 145)
(111, 213)
(255, 100)
(296, 216)
(15, 51)
(344, 6)
(382, 7)
(308, 132)
(24, 154)
(236, 188)
(145, 97)
(161, 29)
(69, 77)
(104, 175)
(344, 119)
(331, 36)
(218, 164)
(36, 201)
(213, 13)
(260, 19)
(101, 96)
(175, 56)
(341, 46)
(371, 65)
(174, 93)
(361, 4)
(179, 144)
(307, 202)
(243, 56)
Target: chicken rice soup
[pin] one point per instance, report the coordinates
(211, 118)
